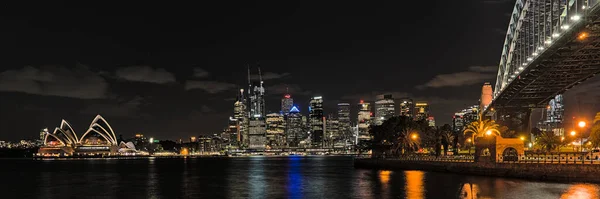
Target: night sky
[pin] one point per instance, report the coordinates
(172, 71)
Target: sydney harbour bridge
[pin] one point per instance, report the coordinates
(550, 47)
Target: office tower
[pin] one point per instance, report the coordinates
(554, 116)
(421, 111)
(333, 135)
(384, 108)
(364, 121)
(257, 97)
(257, 128)
(464, 117)
(344, 121)
(275, 130)
(294, 129)
(486, 96)
(315, 114)
(286, 104)
(406, 107)
(240, 114)
(232, 132)
(431, 121)
(257, 133)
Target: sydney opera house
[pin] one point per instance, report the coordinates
(98, 140)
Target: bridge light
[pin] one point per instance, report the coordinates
(520, 68)
(548, 41)
(583, 7)
(555, 35)
(529, 59)
(524, 64)
(575, 17)
(534, 54)
(564, 27)
(516, 72)
(540, 48)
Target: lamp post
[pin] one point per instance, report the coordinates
(581, 124)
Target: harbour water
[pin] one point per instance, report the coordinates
(256, 177)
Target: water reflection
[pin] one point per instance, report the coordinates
(414, 184)
(581, 191)
(469, 191)
(294, 184)
(256, 178)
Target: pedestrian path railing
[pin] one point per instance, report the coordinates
(551, 158)
(430, 158)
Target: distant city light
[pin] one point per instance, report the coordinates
(581, 124)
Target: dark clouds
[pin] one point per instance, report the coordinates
(475, 75)
(200, 73)
(269, 76)
(78, 82)
(209, 86)
(145, 74)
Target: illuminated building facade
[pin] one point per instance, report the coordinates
(406, 107)
(275, 130)
(287, 102)
(257, 130)
(295, 128)
(364, 120)
(465, 117)
(486, 96)
(421, 111)
(240, 114)
(384, 108)
(344, 124)
(315, 114)
(431, 121)
(554, 116)
(332, 133)
(99, 139)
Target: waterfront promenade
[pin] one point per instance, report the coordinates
(533, 167)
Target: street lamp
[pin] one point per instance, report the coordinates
(489, 132)
(581, 124)
(573, 133)
(414, 136)
(522, 138)
(469, 140)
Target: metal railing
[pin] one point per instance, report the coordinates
(430, 158)
(551, 158)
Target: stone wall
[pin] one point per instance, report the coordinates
(551, 172)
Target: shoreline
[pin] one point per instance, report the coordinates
(533, 171)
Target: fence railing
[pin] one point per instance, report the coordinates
(429, 158)
(551, 158)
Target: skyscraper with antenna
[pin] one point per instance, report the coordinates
(257, 128)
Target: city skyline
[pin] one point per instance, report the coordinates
(178, 75)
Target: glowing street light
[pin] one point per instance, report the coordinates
(489, 132)
(581, 124)
(522, 138)
(582, 36)
(573, 133)
(414, 136)
(469, 140)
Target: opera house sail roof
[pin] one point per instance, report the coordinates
(98, 136)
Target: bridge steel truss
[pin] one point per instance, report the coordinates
(550, 46)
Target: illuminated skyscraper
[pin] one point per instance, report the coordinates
(332, 132)
(257, 133)
(344, 126)
(364, 121)
(275, 130)
(240, 114)
(294, 129)
(287, 102)
(486, 96)
(257, 128)
(421, 111)
(315, 114)
(384, 108)
(406, 107)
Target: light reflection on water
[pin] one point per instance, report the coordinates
(262, 177)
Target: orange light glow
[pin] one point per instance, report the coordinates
(414, 136)
(414, 184)
(582, 36)
(581, 124)
(384, 176)
(573, 133)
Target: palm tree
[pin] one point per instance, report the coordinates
(548, 140)
(595, 131)
(480, 127)
(407, 141)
